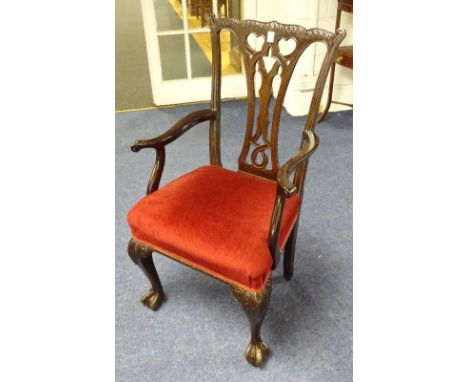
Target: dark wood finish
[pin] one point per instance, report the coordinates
(290, 248)
(158, 143)
(289, 252)
(286, 188)
(344, 57)
(345, 5)
(141, 255)
(259, 155)
(255, 305)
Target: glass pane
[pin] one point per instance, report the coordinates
(168, 15)
(172, 52)
(198, 10)
(200, 54)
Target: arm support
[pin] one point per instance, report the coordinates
(159, 143)
(309, 143)
(181, 127)
(287, 189)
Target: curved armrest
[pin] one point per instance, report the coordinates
(181, 127)
(286, 189)
(309, 144)
(159, 143)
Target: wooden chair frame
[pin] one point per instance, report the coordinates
(259, 154)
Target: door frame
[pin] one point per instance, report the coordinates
(194, 89)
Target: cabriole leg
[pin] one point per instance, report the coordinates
(141, 255)
(255, 305)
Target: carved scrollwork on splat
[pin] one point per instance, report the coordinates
(259, 154)
(261, 137)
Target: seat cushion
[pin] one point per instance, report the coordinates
(215, 220)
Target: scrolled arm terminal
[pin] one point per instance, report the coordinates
(181, 127)
(309, 144)
(286, 189)
(159, 143)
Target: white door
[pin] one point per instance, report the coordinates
(178, 44)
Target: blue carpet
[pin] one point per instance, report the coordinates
(200, 332)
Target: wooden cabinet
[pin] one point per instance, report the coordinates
(344, 57)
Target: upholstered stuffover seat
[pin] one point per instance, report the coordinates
(215, 220)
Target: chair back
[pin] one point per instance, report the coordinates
(259, 155)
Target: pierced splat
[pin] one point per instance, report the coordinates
(259, 153)
(260, 150)
(260, 139)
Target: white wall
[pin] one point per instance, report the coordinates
(310, 13)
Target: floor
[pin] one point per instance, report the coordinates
(200, 332)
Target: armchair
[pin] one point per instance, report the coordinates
(234, 226)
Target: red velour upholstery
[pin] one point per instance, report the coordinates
(215, 220)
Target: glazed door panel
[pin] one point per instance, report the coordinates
(179, 48)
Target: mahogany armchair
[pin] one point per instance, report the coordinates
(231, 225)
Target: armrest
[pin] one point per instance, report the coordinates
(287, 189)
(159, 143)
(181, 127)
(309, 144)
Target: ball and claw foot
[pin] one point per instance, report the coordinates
(152, 300)
(255, 305)
(256, 353)
(141, 255)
